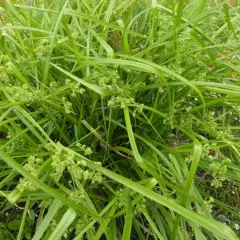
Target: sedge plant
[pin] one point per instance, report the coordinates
(119, 119)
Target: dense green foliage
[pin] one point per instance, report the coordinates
(119, 119)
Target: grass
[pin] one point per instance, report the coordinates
(119, 120)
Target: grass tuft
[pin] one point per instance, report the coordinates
(119, 120)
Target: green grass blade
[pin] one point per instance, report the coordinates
(47, 220)
(128, 222)
(63, 225)
(21, 229)
(56, 28)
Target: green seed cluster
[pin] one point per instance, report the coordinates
(120, 102)
(65, 160)
(31, 166)
(87, 150)
(75, 88)
(24, 94)
(219, 171)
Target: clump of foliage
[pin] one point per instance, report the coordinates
(119, 119)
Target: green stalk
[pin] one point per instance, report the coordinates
(51, 46)
(155, 20)
(21, 229)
